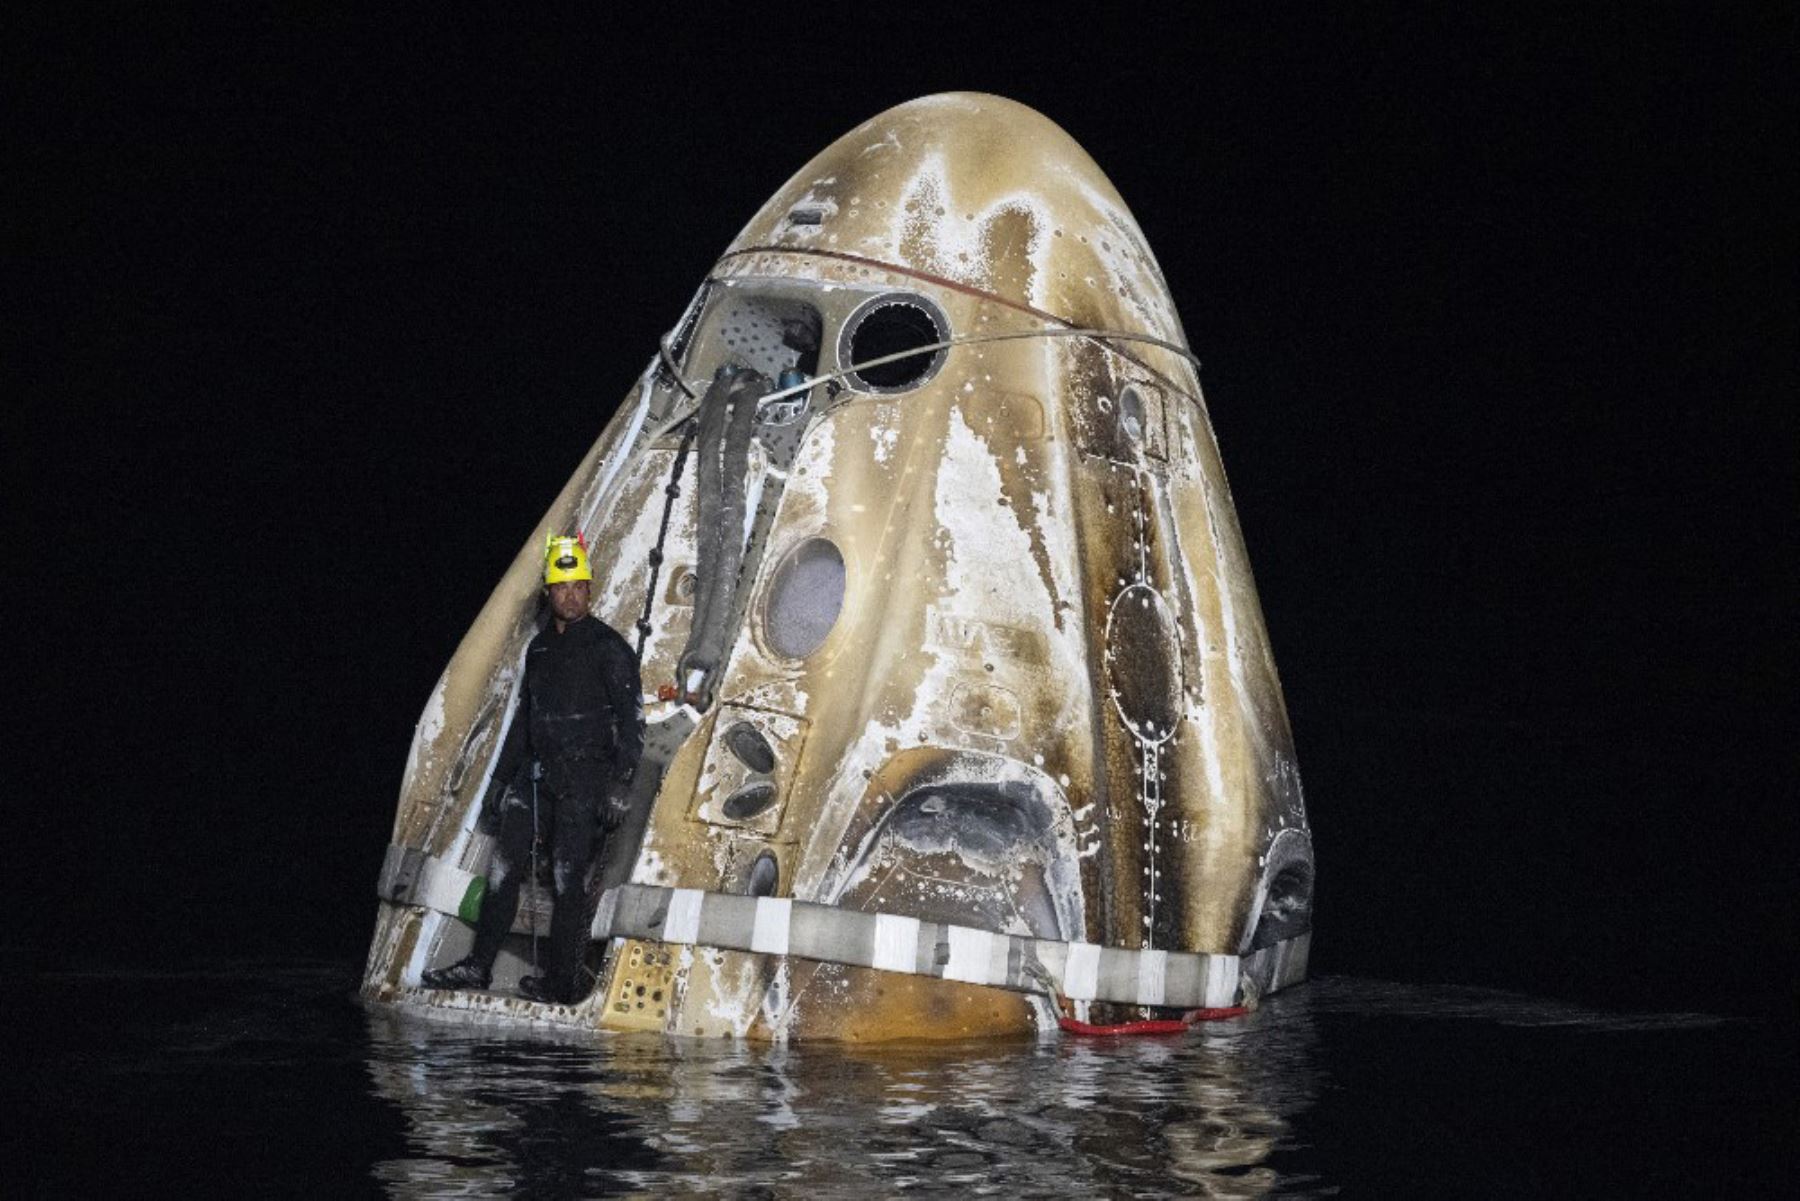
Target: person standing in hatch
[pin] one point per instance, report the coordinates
(564, 768)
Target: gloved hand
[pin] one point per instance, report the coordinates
(615, 806)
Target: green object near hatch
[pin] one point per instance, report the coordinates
(470, 909)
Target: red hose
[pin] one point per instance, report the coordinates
(1167, 1026)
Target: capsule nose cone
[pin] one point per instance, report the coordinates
(982, 193)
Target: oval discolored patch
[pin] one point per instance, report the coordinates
(1143, 662)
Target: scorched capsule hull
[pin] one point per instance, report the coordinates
(981, 721)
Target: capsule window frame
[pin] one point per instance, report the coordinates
(860, 315)
(764, 626)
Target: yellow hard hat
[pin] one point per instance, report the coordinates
(565, 559)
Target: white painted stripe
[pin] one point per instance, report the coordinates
(896, 942)
(621, 451)
(1081, 975)
(971, 955)
(1221, 981)
(683, 923)
(771, 933)
(604, 914)
(828, 934)
(1152, 975)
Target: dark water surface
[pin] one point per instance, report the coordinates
(255, 1078)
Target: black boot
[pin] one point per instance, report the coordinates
(464, 973)
(543, 990)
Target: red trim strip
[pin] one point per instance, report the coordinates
(1165, 1026)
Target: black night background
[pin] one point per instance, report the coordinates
(313, 315)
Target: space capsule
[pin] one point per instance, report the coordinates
(969, 717)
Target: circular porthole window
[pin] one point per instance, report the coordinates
(892, 325)
(805, 598)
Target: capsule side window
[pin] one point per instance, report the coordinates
(890, 344)
(805, 597)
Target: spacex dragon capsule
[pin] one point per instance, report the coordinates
(969, 720)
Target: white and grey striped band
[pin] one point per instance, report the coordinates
(1079, 971)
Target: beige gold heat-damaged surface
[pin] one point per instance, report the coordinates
(1042, 700)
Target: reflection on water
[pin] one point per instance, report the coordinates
(1197, 1114)
(1210, 1113)
(250, 1079)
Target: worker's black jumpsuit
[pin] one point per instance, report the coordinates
(579, 718)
